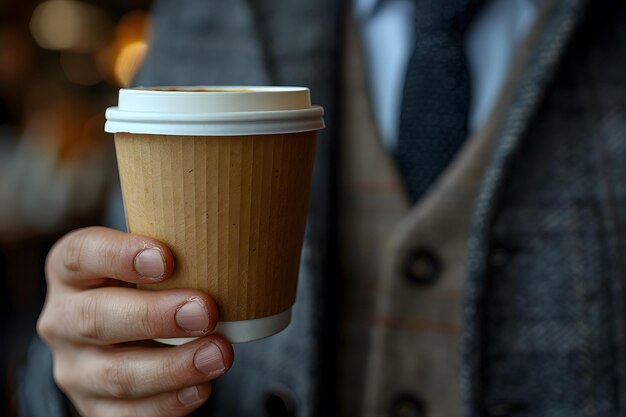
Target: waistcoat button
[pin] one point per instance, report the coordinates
(423, 267)
(498, 257)
(280, 402)
(407, 405)
(505, 409)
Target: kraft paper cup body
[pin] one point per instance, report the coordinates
(223, 178)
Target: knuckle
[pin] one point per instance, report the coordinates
(46, 328)
(73, 251)
(114, 254)
(89, 323)
(129, 412)
(171, 371)
(105, 408)
(49, 321)
(147, 317)
(167, 406)
(51, 260)
(61, 377)
(118, 378)
(85, 406)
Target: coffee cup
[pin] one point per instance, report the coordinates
(222, 176)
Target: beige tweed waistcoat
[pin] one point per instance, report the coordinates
(402, 268)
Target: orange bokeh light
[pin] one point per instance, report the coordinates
(121, 60)
(128, 60)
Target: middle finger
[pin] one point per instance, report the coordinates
(115, 315)
(127, 373)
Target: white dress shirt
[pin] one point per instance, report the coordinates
(387, 35)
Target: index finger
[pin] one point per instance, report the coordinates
(85, 256)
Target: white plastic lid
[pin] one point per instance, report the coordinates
(214, 111)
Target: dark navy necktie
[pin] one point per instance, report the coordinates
(435, 103)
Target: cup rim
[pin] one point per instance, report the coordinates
(215, 89)
(171, 110)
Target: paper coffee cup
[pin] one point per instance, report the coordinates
(222, 176)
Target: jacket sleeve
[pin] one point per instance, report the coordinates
(37, 394)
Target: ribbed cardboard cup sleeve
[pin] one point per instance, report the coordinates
(232, 210)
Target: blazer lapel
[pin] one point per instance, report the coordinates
(557, 22)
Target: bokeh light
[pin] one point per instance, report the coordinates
(120, 61)
(68, 24)
(128, 61)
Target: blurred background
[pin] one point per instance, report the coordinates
(61, 64)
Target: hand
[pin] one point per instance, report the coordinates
(91, 318)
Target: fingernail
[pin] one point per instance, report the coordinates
(208, 360)
(193, 316)
(150, 264)
(189, 396)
